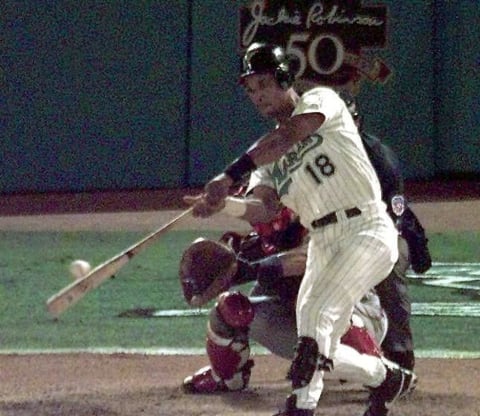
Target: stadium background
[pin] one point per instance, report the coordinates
(143, 95)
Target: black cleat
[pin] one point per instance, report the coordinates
(398, 383)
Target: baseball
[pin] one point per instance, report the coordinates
(79, 268)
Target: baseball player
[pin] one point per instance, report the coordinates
(412, 244)
(264, 256)
(315, 161)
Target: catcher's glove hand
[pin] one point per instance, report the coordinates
(206, 270)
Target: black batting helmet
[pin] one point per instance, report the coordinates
(263, 57)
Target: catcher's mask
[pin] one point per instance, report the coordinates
(206, 265)
(266, 58)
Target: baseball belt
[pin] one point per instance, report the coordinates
(332, 217)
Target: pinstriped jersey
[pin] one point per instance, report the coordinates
(329, 170)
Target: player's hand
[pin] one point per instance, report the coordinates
(213, 199)
(217, 190)
(201, 208)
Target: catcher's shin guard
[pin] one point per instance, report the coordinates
(227, 347)
(227, 337)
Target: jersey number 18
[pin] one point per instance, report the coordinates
(322, 166)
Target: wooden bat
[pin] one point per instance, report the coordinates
(71, 294)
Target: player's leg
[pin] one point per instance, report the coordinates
(227, 347)
(356, 360)
(337, 276)
(393, 293)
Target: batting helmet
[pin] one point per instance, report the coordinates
(263, 57)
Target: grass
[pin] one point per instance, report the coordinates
(34, 265)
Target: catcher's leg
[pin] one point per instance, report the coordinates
(274, 326)
(227, 347)
(358, 358)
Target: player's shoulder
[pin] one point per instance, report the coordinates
(320, 91)
(319, 99)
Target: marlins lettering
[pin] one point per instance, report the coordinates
(291, 161)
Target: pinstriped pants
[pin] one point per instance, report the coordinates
(345, 260)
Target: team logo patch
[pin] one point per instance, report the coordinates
(398, 205)
(291, 161)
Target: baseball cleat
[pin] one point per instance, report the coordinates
(398, 383)
(291, 408)
(205, 381)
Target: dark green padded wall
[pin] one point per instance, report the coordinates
(223, 122)
(400, 112)
(457, 99)
(144, 94)
(93, 94)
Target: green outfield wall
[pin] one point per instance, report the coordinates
(143, 94)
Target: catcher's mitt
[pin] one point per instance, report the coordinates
(206, 269)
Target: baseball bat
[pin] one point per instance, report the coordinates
(71, 294)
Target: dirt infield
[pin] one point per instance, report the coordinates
(93, 385)
(147, 385)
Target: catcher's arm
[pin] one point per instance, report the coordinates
(269, 270)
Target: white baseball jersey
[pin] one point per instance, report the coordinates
(329, 170)
(329, 173)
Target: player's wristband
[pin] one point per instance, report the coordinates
(240, 167)
(235, 207)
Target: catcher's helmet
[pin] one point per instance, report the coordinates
(263, 57)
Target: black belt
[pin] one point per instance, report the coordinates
(332, 217)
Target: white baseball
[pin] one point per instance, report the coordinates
(79, 268)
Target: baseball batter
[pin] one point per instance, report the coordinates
(315, 160)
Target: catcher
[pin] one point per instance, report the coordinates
(273, 256)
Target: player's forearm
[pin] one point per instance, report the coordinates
(276, 143)
(266, 150)
(271, 147)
